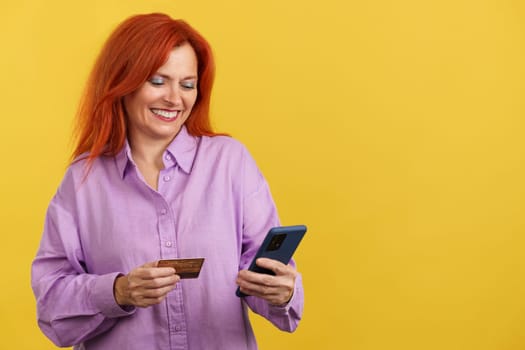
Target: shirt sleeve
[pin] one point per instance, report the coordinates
(259, 215)
(72, 305)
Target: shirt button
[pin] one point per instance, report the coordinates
(168, 244)
(178, 328)
(167, 157)
(163, 212)
(167, 178)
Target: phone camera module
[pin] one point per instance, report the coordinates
(276, 242)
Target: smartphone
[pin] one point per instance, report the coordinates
(279, 244)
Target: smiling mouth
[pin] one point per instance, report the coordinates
(164, 114)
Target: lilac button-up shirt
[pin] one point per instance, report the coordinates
(212, 202)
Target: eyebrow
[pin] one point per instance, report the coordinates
(165, 76)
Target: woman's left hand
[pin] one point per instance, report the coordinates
(277, 290)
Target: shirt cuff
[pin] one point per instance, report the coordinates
(104, 298)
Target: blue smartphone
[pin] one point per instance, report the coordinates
(279, 244)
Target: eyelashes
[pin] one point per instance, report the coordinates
(160, 81)
(188, 85)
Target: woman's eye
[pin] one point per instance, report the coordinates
(188, 84)
(156, 80)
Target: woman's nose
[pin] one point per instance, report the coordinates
(173, 96)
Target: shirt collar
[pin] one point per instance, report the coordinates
(183, 149)
(123, 158)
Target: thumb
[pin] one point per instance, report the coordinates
(151, 264)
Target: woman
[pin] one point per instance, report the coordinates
(150, 180)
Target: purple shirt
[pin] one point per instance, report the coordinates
(212, 202)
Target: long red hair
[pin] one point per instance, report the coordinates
(135, 50)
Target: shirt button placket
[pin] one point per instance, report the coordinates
(165, 227)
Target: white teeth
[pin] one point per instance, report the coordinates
(164, 113)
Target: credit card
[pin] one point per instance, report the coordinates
(185, 268)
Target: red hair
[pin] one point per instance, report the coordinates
(136, 49)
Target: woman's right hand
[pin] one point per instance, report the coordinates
(145, 285)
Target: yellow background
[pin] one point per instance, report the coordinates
(392, 128)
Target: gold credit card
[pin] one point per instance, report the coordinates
(185, 268)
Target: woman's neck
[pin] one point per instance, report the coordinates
(148, 151)
(148, 158)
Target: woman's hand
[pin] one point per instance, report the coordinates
(277, 290)
(145, 285)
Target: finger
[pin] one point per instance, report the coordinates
(156, 292)
(274, 265)
(161, 282)
(150, 270)
(256, 289)
(257, 278)
(138, 281)
(155, 283)
(151, 264)
(146, 297)
(275, 289)
(259, 283)
(148, 273)
(276, 295)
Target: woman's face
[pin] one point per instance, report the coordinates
(159, 108)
